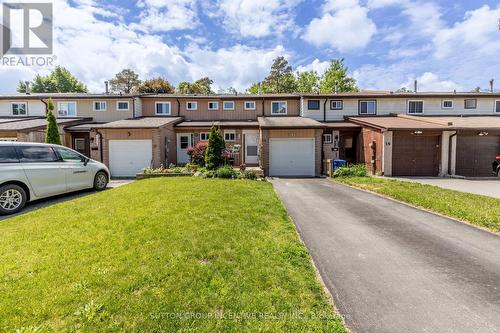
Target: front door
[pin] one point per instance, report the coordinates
(251, 148)
(81, 143)
(184, 141)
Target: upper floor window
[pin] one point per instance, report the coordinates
(228, 105)
(415, 107)
(249, 105)
(163, 108)
(66, 109)
(192, 106)
(213, 105)
(336, 105)
(204, 136)
(122, 105)
(229, 135)
(497, 106)
(447, 104)
(99, 106)
(278, 107)
(471, 103)
(19, 109)
(313, 104)
(367, 107)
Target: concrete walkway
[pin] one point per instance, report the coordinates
(488, 187)
(393, 268)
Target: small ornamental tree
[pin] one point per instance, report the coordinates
(213, 153)
(197, 153)
(52, 133)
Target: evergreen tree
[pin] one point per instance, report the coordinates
(336, 75)
(52, 132)
(213, 153)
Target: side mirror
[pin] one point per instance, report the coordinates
(85, 161)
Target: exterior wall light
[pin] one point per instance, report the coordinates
(482, 133)
(417, 132)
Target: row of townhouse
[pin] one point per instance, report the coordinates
(395, 134)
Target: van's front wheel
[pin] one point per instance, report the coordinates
(100, 181)
(12, 199)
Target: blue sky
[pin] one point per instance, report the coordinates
(386, 44)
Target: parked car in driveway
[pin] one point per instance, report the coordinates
(31, 171)
(496, 166)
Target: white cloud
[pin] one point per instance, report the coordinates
(167, 15)
(424, 16)
(257, 18)
(315, 65)
(344, 26)
(374, 4)
(431, 82)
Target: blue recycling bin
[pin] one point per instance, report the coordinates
(338, 164)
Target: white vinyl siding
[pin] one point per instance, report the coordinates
(163, 108)
(19, 109)
(123, 105)
(249, 105)
(66, 109)
(228, 105)
(213, 106)
(415, 107)
(367, 107)
(100, 106)
(279, 107)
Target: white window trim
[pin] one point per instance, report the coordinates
(118, 103)
(102, 110)
(341, 104)
(329, 140)
(193, 103)
(495, 106)
(447, 100)
(213, 109)
(163, 114)
(25, 109)
(250, 109)
(207, 134)
(366, 101)
(67, 102)
(228, 109)
(278, 113)
(415, 100)
(230, 132)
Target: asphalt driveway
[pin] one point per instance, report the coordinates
(392, 268)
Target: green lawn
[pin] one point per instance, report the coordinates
(476, 209)
(179, 254)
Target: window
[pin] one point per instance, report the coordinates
(228, 105)
(471, 103)
(204, 136)
(279, 107)
(229, 135)
(313, 104)
(497, 106)
(367, 107)
(415, 107)
(8, 154)
(19, 109)
(122, 105)
(327, 138)
(213, 105)
(36, 154)
(336, 105)
(66, 109)
(250, 105)
(163, 108)
(447, 104)
(192, 106)
(99, 106)
(69, 155)
(184, 142)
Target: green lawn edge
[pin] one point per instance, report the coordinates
(198, 256)
(479, 210)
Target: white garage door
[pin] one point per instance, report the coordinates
(128, 157)
(291, 157)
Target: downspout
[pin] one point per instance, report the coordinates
(324, 110)
(263, 106)
(46, 106)
(178, 107)
(450, 148)
(101, 141)
(133, 107)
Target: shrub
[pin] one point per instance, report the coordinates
(213, 153)
(249, 174)
(226, 172)
(52, 132)
(197, 153)
(357, 170)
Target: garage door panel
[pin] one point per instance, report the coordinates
(129, 157)
(415, 155)
(475, 154)
(292, 157)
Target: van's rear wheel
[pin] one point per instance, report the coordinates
(12, 199)
(100, 181)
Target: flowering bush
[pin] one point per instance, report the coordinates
(197, 153)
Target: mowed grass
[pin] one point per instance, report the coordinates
(179, 254)
(479, 210)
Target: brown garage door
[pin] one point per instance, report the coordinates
(475, 154)
(415, 155)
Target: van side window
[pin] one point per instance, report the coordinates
(8, 155)
(36, 154)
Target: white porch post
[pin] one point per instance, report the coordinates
(387, 154)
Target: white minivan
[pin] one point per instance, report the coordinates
(31, 171)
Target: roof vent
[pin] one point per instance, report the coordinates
(415, 86)
(27, 87)
(491, 85)
(106, 85)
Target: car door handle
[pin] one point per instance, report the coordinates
(82, 171)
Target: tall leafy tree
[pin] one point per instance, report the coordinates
(127, 81)
(201, 86)
(213, 153)
(280, 78)
(156, 86)
(60, 80)
(307, 82)
(336, 74)
(52, 132)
